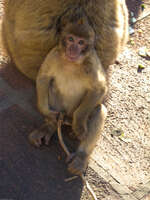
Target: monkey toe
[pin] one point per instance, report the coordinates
(78, 165)
(37, 138)
(47, 138)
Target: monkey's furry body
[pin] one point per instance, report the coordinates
(31, 28)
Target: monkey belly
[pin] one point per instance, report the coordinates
(65, 93)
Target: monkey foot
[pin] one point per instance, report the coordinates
(78, 164)
(37, 137)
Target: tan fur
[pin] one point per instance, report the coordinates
(68, 80)
(77, 89)
(33, 33)
(30, 28)
(71, 80)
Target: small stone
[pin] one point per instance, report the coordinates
(140, 31)
(132, 42)
(133, 20)
(142, 7)
(131, 30)
(140, 67)
(148, 97)
(117, 132)
(132, 14)
(148, 53)
(143, 52)
(125, 139)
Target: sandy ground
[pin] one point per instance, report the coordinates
(127, 157)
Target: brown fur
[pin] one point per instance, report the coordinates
(75, 89)
(31, 28)
(34, 37)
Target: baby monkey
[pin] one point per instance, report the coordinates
(72, 81)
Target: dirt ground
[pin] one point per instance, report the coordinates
(127, 157)
(120, 164)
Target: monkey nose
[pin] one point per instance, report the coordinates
(74, 51)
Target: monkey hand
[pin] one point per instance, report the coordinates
(52, 116)
(43, 134)
(79, 126)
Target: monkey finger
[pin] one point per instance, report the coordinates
(36, 137)
(35, 142)
(38, 142)
(47, 138)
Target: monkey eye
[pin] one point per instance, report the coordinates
(70, 39)
(81, 42)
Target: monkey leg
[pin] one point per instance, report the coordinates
(43, 134)
(95, 125)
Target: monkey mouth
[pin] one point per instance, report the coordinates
(73, 58)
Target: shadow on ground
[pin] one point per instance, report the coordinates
(27, 172)
(134, 6)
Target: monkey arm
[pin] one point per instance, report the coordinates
(42, 85)
(87, 105)
(89, 101)
(96, 79)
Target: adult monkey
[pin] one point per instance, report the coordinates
(31, 29)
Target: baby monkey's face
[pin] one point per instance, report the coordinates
(75, 46)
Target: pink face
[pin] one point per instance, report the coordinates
(74, 47)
